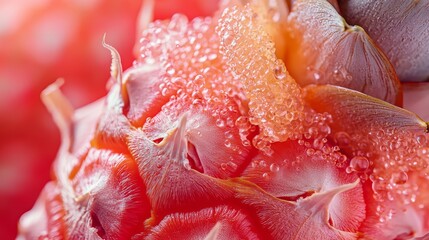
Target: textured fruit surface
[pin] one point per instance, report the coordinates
(323, 49)
(399, 28)
(214, 133)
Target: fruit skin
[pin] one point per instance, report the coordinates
(29, 61)
(399, 28)
(159, 150)
(325, 49)
(416, 98)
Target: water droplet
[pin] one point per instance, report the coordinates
(310, 152)
(178, 23)
(359, 164)
(230, 122)
(242, 121)
(325, 129)
(274, 167)
(342, 138)
(318, 143)
(164, 92)
(313, 131)
(349, 170)
(316, 76)
(421, 139)
(170, 71)
(212, 56)
(231, 166)
(423, 152)
(399, 178)
(246, 142)
(220, 123)
(202, 59)
(228, 134)
(197, 102)
(279, 72)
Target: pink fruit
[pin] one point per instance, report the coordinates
(208, 136)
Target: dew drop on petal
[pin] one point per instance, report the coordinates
(359, 163)
(274, 167)
(399, 178)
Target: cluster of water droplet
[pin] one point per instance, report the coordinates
(312, 145)
(268, 168)
(396, 161)
(275, 103)
(196, 77)
(316, 132)
(401, 167)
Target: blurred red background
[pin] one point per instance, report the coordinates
(40, 41)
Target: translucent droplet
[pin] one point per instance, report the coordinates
(349, 170)
(202, 59)
(170, 71)
(228, 134)
(421, 139)
(197, 102)
(399, 178)
(246, 142)
(231, 166)
(359, 163)
(325, 129)
(274, 167)
(318, 143)
(230, 122)
(220, 122)
(279, 72)
(316, 76)
(342, 138)
(313, 131)
(227, 143)
(164, 92)
(310, 152)
(212, 56)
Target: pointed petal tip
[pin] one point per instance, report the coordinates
(145, 15)
(355, 109)
(116, 66)
(61, 110)
(57, 104)
(319, 202)
(214, 232)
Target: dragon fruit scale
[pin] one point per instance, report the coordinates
(266, 120)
